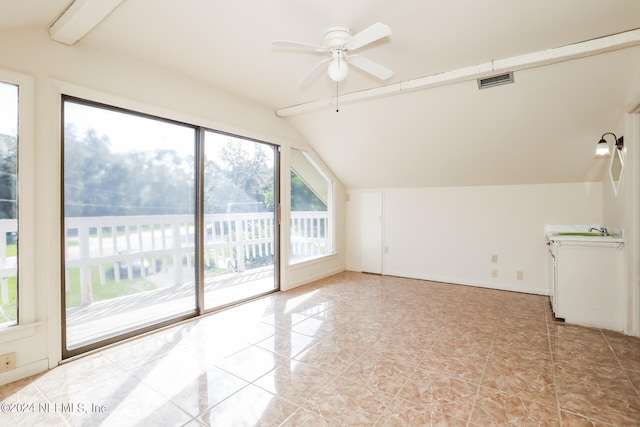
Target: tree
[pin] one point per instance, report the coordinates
(241, 180)
(100, 182)
(302, 197)
(8, 177)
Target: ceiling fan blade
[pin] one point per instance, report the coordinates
(371, 67)
(298, 45)
(368, 35)
(317, 70)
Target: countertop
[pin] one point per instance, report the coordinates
(552, 233)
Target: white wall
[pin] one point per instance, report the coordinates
(125, 82)
(623, 212)
(449, 234)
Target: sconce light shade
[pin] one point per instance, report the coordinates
(602, 149)
(338, 68)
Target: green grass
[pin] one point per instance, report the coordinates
(111, 289)
(12, 250)
(9, 311)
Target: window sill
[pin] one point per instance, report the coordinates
(13, 333)
(311, 261)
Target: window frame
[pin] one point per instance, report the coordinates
(331, 209)
(26, 313)
(67, 351)
(66, 93)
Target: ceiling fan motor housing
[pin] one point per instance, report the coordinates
(335, 38)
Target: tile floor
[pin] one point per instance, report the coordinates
(353, 349)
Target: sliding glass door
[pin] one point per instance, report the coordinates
(8, 204)
(240, 218)
(129, 189)
(162, 221)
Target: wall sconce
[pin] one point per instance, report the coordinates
(602, 147)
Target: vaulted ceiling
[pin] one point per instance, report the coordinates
(540, 129)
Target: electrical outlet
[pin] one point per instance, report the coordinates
(519, 275)
(7, 362)
(494, 259)
(494, 273)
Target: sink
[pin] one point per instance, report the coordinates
(582, 233)
(579, 234)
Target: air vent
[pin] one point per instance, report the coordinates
(501, 79)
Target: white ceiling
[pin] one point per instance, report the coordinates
(450, 135)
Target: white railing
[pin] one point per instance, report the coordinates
(8, 264)
(145, 245)
(125, 245)
(309, 235)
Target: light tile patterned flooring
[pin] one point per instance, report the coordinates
(353, 349)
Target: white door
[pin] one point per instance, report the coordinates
(371, 232)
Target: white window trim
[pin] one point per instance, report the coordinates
(26, 196)
(323, 170)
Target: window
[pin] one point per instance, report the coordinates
(311, 209)
(8, 204)
(162, 221)
(129, 222)
(240, 218)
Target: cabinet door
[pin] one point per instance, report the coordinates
(590, 288)
(552, 282)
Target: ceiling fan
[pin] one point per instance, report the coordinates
(338, 42)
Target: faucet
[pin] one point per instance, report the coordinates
(602, 230)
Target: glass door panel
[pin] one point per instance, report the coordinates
(8, 204)
(240, 220)
(129, 223)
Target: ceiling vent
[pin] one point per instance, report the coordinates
(500, 79)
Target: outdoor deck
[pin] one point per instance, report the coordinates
(158, 252)
(105, 318)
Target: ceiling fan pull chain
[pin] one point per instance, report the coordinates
(337, 107)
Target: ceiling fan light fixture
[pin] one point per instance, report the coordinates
(338, 68)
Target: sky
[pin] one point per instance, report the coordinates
(130, 132)
(8, 109)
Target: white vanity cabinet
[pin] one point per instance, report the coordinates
(588, 282)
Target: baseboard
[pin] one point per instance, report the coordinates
(511, 287)
(313, 277)
(24, 371)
